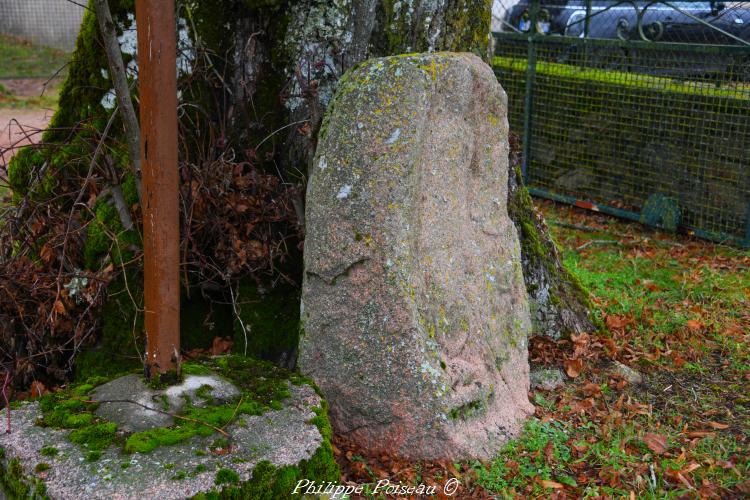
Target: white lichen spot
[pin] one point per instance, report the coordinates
(344, 192)
(394, 136)
(322, 164)
(108, 100)
(129, 38)
(76, 288)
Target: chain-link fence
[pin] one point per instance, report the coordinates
(640, 109)
(37, 36)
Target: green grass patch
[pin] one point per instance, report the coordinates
(677, 310)
(22, 59)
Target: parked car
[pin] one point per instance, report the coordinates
(688, 22)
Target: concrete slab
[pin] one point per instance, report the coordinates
(284, 437)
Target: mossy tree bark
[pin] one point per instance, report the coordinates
(559, 303)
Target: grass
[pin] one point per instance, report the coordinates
(22, 59)
(676, 309)
(48, 100)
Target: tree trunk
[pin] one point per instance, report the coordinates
(558, 302)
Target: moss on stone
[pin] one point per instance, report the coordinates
(15, 484)
(263, 385)
(49, 451)
(269, 482)
(227, 476)
(95, 437)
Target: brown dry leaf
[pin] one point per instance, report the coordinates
(690, 468)
(591, 389)
(221, 346)
(573, 367)
(694, 325)
(717, 425)
(549, 453)
(656, 442)
(46, 254)
(60, 307)
(684, 481)
(38, 389)
(616, 322)
(700, 434)
(552, 484)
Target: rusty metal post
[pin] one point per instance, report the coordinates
(161, 225)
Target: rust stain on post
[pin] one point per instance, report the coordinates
(161, 226)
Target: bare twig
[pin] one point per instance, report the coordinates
(238, 315)
(599, 242)
(120, 82)
(163, 412)
(234, 413)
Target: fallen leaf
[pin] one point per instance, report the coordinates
(591, 389)
(59, 307)
(656, 442)
(38, 389)
(700, 434)
(549, 452)
(573, 367)
(717, 425)
(552, 484)
(221, 346)
(690, 468)
(616, 322)
(684, 481)
(694, 325)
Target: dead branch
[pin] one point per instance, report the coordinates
(163, 412)
(120, 82)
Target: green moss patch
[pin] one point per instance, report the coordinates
(263, 386)
(16, 485)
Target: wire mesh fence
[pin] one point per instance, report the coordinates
(639, 109)
(37, 36)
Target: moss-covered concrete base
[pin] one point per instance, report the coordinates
(277, 433)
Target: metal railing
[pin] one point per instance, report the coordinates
(639, 109)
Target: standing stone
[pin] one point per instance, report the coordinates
(414, 307)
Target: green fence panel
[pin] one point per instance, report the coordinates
(653, 131)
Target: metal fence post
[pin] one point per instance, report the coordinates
(157, 53)
(529, 97)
